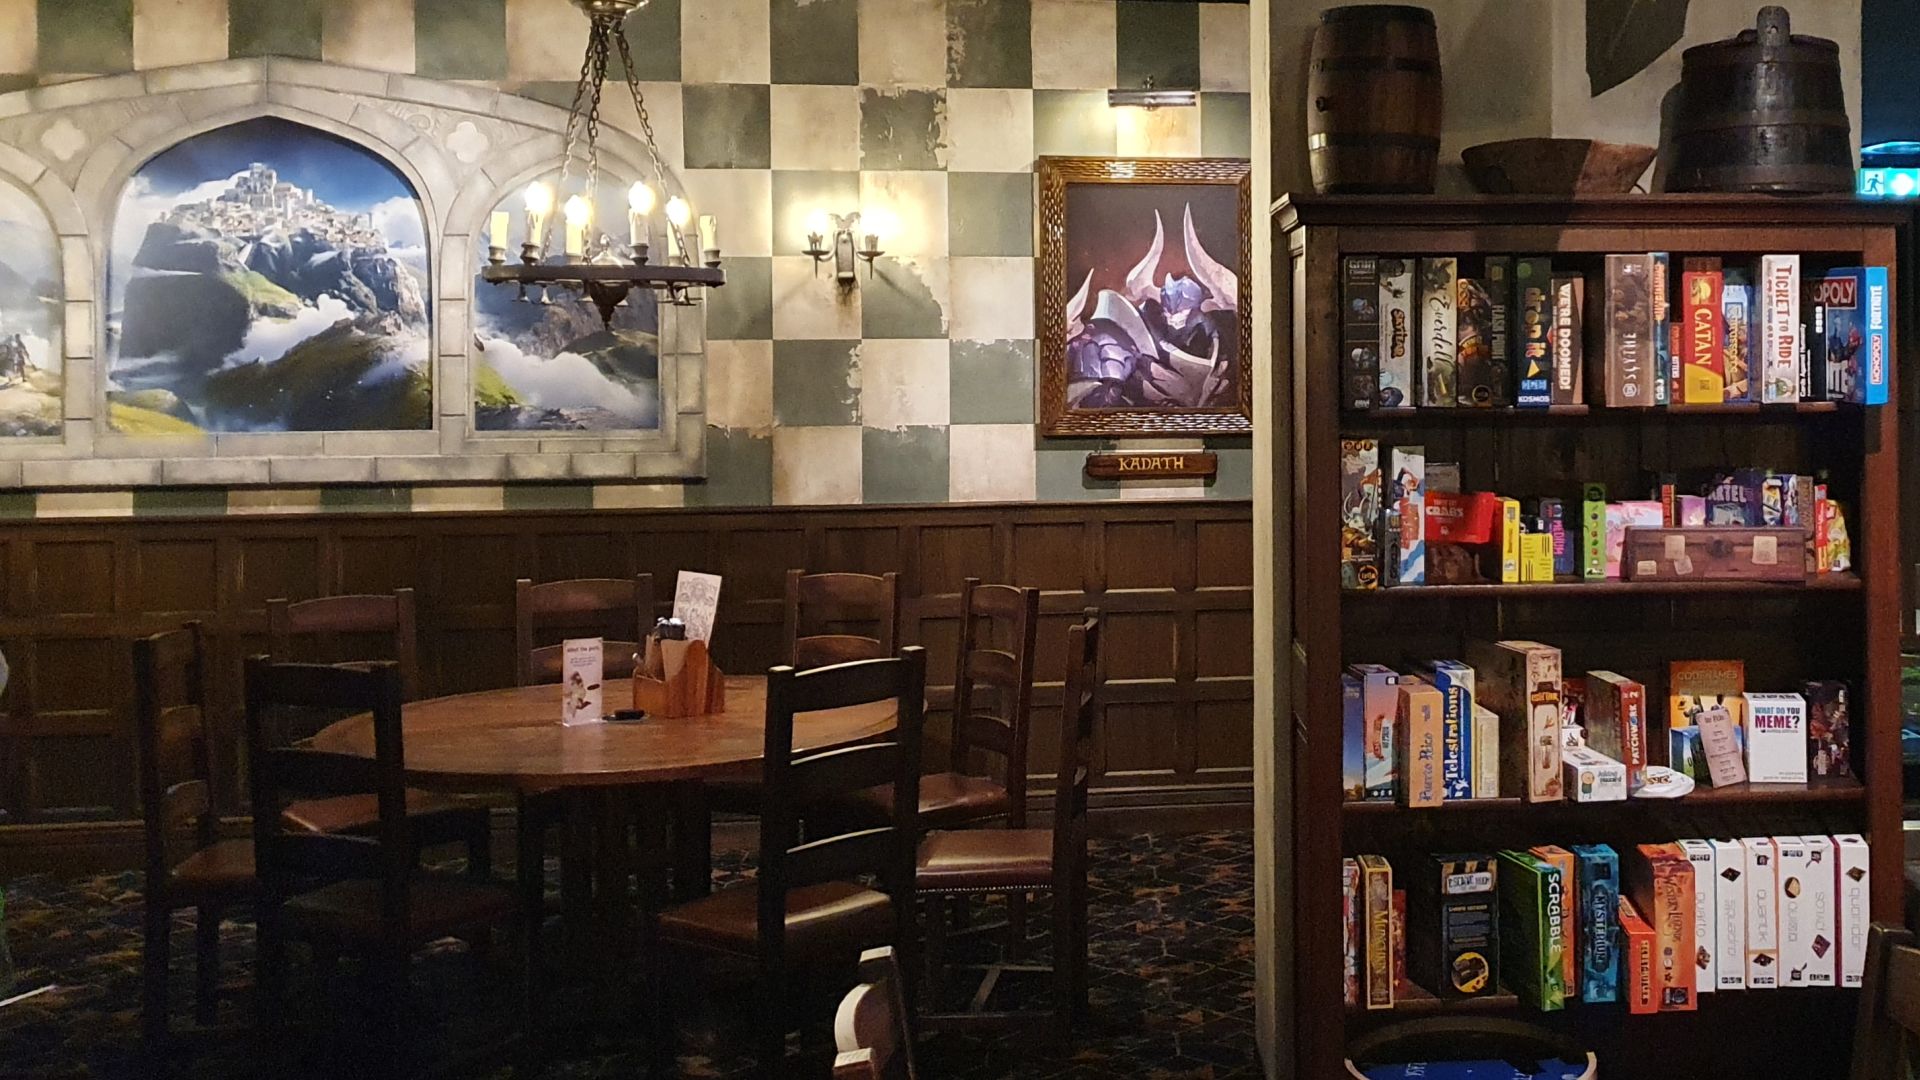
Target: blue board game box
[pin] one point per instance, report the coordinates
(1597, 874)
(1854, 313)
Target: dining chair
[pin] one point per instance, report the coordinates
(1014, 862)
(823, 611)
(326, 629)
(1886, 1035)
(809, 909)
(618, 610)
(363, 895)
(873, 1031)
(188, 865)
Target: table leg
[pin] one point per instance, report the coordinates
(692, 842)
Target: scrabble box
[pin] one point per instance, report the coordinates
(1532, 929)
(1562, 860)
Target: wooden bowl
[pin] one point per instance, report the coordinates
(1556, 166)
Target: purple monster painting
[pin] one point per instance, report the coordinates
(1152, 337)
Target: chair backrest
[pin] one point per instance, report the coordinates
(170, 680)
(998, 624)
(825, 614)
(620, 610)
(332, 618)
(290, 860)
(1079, 714)
(872, 1031)
(793, 781)
(1886, 1037)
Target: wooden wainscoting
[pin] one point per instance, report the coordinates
(1172, 577)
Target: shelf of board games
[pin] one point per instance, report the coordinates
(1844, 626)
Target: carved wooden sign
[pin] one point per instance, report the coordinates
(1153, 465)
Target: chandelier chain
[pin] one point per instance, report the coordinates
(640, 108)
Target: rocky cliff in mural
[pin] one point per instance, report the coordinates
(30, 380)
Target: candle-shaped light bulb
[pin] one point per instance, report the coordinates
(579, 213)
(639, 205)
(709, 234)
(539, 205)
(640, 198)
(819, 225)
(497, 229)
(679, 212)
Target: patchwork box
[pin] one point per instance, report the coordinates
(1616, 723)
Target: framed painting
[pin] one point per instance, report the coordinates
(1145, 296)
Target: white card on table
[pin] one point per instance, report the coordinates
(696, 597)
(581, 669)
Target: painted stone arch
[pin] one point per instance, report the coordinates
(303, 257)
(32, 367)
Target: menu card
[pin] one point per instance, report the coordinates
(696, 597)
(581, 671)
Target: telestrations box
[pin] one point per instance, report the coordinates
(1779, 321)
(1359, 514)
(1376, 894)
(1853, 904)
(1592, 776)
(1660, 881)
(1534, 302)
(1474, 347)
(1438, 329)
(1626, 332)
(1706, 941)
(1616, 723)
(1532, 929)
(1353, 738)
(1359, 330)
(1380, 703)
(1763, 913)
(1407, 513)
(1520, 680)
(1776, 739)
(1597, 930)
(1455, 935)
(1641, 971)
(1397, 351)
(1417, 743)
(1455, 681)
(1729, 914)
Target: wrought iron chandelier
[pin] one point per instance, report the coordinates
(592, 264)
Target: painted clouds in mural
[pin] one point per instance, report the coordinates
(266, 276)
(552, 366)
(30, 380)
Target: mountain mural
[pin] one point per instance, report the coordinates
(31, 383)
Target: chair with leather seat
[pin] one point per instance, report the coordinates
(872, 1031)
(1020, 862)
(810, 910)
(1886, 1035)
(188, 865)
(834, 618)
(356, 894)
(329, 629)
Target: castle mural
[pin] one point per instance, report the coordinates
(267, 276)
(30, 366)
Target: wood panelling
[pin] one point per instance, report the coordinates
(1173, 578)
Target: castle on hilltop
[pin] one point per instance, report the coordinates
(259, 203)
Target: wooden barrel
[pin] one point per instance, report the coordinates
(1762, 111)
(1373, 100)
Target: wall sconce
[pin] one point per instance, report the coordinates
(1147, 97)
(838, 229)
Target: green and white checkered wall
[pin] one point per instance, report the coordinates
(918, 387)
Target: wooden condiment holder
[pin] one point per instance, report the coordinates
(677, 678)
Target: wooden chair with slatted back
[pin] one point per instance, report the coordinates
(619, 609)
(1015, 862)
(187, 864)
(355, 894)
(824, 610)
(873, 1032)
(1886, 1036)
(809, 908)
(322, 625)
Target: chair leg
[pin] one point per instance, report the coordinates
(530, 874)
(770, 1029)
(1016, 927)
(1066, 963)
(206, 965)
(270, 977)
(692, 842)
(153, 977)
(658, 1006)
(936, 954)
(480, 846)
(388, 967)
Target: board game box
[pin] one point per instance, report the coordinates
(1640, 970)
(1520, 680)
(1702, 360)
(1597, 932)
(1616, 723)
(1660, 880)
(1474, 344)
(1500, 326)
(1439, 317)
(1456, 937)
(1359, 330)
(1569, 296)
(1853, 905)
(1534, 302)
(1396, 383)
(1763, 914)
(1730, 914)
(1705, 905)
(1418, 744)
(1778, 318)
(1626, 332)
(1380, 703)
(1532, 929)
(1776, 739)
(1353, 738)
(1376, 907)
(1359, 514)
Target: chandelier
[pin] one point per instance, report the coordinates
(592, 264)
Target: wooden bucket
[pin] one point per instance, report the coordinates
(1762, 111)
(1373, 100)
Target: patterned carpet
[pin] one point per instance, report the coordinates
(1172, 990)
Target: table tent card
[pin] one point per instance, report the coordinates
(581, 671)
(696, 598)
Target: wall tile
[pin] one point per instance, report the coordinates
(1073, 44)
(815, 127)
(726, 126)
(1171, 132)
(273, 28)
(989, 43)
(904, 465)
(816, 383)
(664, 108)
(548, 497)
(461, 39)
(84, 36)
(903, 382)
(638, 496)
(990, 130)
(544, 39)
(743, 308)
(1073, 122)
(1159, 42)
(653, 32)
(375, 34)
(1226, 124)
(799, 196)
(817, 466)
(815, 41)
(991, 382)
(1225, 56)
(739, 470)
(809, 304)
(740, 384)
(167, 33)
(1060, 471)
(365, 500)
(179, 502)
(273, 500)
(724, 41)
(908, 208)
(903, 43)
(20, 45)
(742, 200)
(1235, 478)
(463, 499)
(992, 298)
(65, 504)
(989, 213)
(991, 463)
(902, 128)
(904, 298)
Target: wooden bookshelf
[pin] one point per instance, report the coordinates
(1417, 1000)
(1843, 626)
